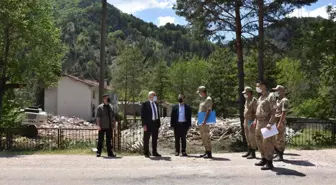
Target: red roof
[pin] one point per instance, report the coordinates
(85, 81)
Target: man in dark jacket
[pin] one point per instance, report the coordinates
(105, 122)
(151, 123)
(181, 122)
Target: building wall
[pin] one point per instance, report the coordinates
(50, 100)
(74, 99)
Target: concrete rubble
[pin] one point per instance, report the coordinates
(67, 122)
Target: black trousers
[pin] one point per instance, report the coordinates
(152, 130)
(108, 133)
(180, 132)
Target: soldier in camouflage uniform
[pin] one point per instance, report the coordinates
(249, 117)
(280, 116)
(265, 117)
(205, 106)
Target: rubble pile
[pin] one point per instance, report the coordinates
(67, 122)
(224, 129)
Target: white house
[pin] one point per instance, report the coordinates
(74, 96)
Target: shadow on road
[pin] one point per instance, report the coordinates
(160, 158)
(291, 154)
(219, 159)
(212, 159)
(299, 162)
(112, 157)
(289, 172)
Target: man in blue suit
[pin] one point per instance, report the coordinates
(181, 122)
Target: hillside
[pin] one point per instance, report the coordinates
(79, 21)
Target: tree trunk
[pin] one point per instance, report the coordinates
(240, 64)
(102, 51)
(261, 40)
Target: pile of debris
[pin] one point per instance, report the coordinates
(67, 122)
(224, 129)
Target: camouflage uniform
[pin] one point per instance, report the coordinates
(205, 105)
(249, 115)
(282, 106)
(263, 116)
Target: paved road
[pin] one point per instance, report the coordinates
(301, 167)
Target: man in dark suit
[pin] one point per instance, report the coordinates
(151, 123)
(181, 122)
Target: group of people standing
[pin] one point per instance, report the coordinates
(268, 110)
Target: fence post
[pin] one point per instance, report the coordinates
(58, 138)
(333, 132)
(119, 135)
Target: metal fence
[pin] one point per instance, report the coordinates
(303, 133)
(308, 133)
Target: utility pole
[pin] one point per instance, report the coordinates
(102, 51)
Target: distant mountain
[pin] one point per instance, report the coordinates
(80, 20)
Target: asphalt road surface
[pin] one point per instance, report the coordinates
(300, 167)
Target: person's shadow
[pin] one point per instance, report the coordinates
(160, 158)
(287, 172)
(212, 159)
(298, 162)
(117, 157)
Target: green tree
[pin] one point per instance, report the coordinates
(222, 82)
(30, 46)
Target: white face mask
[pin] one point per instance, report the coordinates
(245, 96)
(258, 90)
(155, 98)
(276, 94)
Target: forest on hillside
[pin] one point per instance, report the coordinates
(299, 53)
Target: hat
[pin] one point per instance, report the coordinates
(247, 89)
(278, 87)
(201, 89)
(106, 95)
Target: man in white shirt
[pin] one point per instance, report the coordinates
(150, 118)
(181, 122)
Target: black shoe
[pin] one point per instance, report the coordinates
(252, 155)
(279, 157)
(155, 154)
(112, 155)
(203, 155)
(208, 155)
(177, 153)
(184, 154)
(147, 154)
(268, 166)
(98, 155)
(261, 163)
(247, 154)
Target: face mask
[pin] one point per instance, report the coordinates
(180, 100)
(155, 98)
(245, 96)
(276, 94)
(258, 90)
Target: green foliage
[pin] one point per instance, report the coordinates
(222, 82)
(185, 77)
(30, 47)
(128, 73)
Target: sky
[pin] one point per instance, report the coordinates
(160, 11)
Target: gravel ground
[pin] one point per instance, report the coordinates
(300, 167)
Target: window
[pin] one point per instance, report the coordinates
(93, 94)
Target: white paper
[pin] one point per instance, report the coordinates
(269, 133)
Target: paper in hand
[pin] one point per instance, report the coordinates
(269, 133)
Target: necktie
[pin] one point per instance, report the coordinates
(154, 110)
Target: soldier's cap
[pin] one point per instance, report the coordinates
(201, 89)
(278, 87)
(247, 89)
(106, 95)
